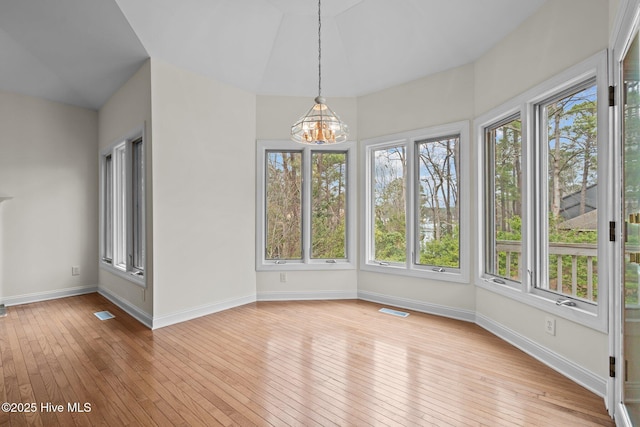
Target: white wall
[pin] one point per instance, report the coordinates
(204, 194)
(274, 117)
(560, 34)
(47, 163)
(127, 109)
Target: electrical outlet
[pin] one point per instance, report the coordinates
(550, 325)
(75, 270)
(283, 277)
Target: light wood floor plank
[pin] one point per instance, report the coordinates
(306, 363)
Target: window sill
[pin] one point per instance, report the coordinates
(455, 276)
(127, 275)
(311, 266)
(593, 320)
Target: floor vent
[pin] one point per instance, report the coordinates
(394, 312)
(104, 315)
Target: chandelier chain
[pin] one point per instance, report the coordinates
(319, 51)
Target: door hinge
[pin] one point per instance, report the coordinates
(612, 231)
(612, 96)
(612, 366)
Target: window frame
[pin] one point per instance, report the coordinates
(488, 167)
(306, 262)
(126, 203)
(410, 140)
(527, 106)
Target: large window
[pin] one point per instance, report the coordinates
(305, 206)
(543, 196)
(122, 210)
(414, 188)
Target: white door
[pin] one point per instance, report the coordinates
(627, 306)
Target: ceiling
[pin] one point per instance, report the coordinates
(80, 51)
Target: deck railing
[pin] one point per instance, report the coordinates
(583, 256)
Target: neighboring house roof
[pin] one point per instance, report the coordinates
(585, 222)
(570, 204)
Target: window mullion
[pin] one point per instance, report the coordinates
(542, 197)
(411, 194)
(529, 262)
(306, 205)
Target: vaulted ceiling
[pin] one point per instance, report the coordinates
(80, 51)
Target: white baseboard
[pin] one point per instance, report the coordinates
(622, 416)
(141, 316)
(569, 369)
(192, 313)
(305, 295)
(424, 307)
(48, 295)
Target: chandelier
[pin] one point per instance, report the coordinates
(320, 125)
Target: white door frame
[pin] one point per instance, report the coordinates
(626, 25)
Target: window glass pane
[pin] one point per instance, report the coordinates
(572, 186)
(283, 205)
(137, 205)
(504, 199)
(107, 214)
(328, 199)
(437, 203)
(389, 190)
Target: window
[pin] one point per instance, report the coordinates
(284, 206)
(543, 198)
(566, 174)
(389, 207)
(503, 202)
(123, 208)
(414, 190)
(306, 206)
(437, 205)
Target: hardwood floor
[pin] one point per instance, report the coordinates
(292, 363)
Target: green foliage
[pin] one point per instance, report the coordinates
(443, 252)
(390, 245)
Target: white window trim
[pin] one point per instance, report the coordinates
(592, 316)
(124, 270)
(409, 140)
(306, 263)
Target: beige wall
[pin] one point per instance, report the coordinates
(129, 108)
(439, 99)
(274, 117)
(560, 34)
(553, 39)
(204, 194)
(48, 153)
